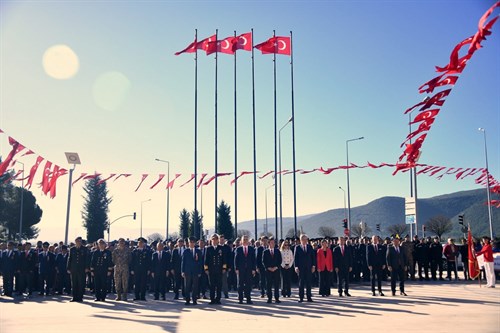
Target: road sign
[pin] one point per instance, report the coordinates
(346, 232)
(410, 206)
(410, 219)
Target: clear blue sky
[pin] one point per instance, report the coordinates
(358, 65)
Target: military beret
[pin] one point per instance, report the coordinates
(142, 239)
(78, 238)
(45, 244)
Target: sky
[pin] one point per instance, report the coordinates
(123, 99)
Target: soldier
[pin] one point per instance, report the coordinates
(77, 266)
(409, 249)
(176, 268)
(121, 258)
(160, 269)
(227, 259)
(63, 278)
(422, 258)
(9, 267)
(101, 266)
(141, 265)
(215, 265)
(46, 270)
(27, 266)
(435, 256)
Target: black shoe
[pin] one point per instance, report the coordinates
(176, 296)
(340, 295)
(163, 298)
(393, 293)
(262, 296)
(301, 300)
(195, 303)
(249, 302)
(226, 295)
(240, 301)
(212, 302)
(218, 302)
(381, 293)
(347, 294)
(137, 299)
(73, 300)
(156, 298)
(278, 301)
(403, 293)
(310, 300)
(373, 293)
(97, 300)
(187, 303)
(269, 301)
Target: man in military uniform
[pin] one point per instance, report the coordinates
(436, 259)
(28, 260)
(77, 266)
(121, 258)
(422, 257)
(141, 265)
(215, 266)
(101, 266)
(409, 248)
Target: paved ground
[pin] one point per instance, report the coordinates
(446, 307)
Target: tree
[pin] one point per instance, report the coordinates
(224, 224)
(290, 233)
(196, 224)
(95, 209)
(267, 234)
(360, 231)
(184, 227)
(325, 231)
(439, 225)
(244, 232)
(10, 210)
(397, 229)
(155, 237)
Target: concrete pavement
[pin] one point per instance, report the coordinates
(429, 306)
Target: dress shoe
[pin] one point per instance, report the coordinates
(156, 298)
(373, 293)
(269, 301)
(403, 293)
(347, 294)
(97, 300)
(187, 303)
(240, 301)
(340, 295)
(381, 293)
(218, 302)
(195, 303)
(310, 300)
(212, 302)
(393, 293)
(277, 301)
(249, 302)
(301, 300)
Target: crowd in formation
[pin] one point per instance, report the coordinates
(191, 268)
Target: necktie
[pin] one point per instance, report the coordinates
(342, 248)
(272, 253)
(305, 249)
(159, 255)
(397, 250)
(27, 254)
(376, 248)
(246, 251)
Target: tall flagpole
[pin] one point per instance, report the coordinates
(293, 143)
(254, 146)
(195, 120)
(216, 55)
(275, 139)
(235, 153)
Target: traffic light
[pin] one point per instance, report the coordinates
(424, 228)
(135, 214)
(378, 226)
(344, 222)
(461, 219)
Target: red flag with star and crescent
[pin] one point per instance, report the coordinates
(473, 265)
(278, 45)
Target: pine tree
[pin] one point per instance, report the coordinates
(196, 224)
(184, 227)
(95, 209)
(224, 225)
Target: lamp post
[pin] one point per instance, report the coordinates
(281, 193)
(168, 192)
(487, 181)
(74, 159)
(142, 202)
(266, 226)
(22, 204)
(345, 208)
(348, 186)
(121, 217)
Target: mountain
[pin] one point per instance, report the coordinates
(388, 211)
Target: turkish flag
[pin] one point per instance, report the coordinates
(144, 176)
(205, 44)
(429, 114)
(171, 183)
(160, 178)
(437, 82)
(33, 170)
(231, 44)
(424, 126)
(278, 45)
(16, 149)
(191, 48)
(473, 265)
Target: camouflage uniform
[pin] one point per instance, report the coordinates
(409, 248)
(121, 259)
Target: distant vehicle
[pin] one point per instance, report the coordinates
(496, 261)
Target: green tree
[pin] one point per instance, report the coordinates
(95, 209)
(196, 224)
(10, 210)
(439, 225)
(185, 225)
(224, 224)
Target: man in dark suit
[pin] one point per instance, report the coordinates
(191, 268)
(271, 259)
(10, 264)
(176, 268)
(160, 269)
(203, 278)
(342, 263)
(28, 260)
(78, 265)
(260, 267)
(244, 266)
(101, 267)
(63, 279)
(305, 265)
(396, 263)
(376, 260)
(46, 270)
(140, 268)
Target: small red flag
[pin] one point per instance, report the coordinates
(429, 114)
(278, 45)
(190, 49)
(473, 265)
(231, 44)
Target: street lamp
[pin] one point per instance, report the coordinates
(281, 193)
(345, 208)
(168, 192)
(22, 204)
(74, 159)
(141, 212)
(121, 217)
(348, 186)
(266, 227)
(487, 180)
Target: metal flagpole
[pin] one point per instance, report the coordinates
(275, 139)
(195, 122)
(293, 143)
(216, 56)
(254, 145)
(235, 153)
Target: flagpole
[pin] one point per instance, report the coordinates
(293, 142)
(195, 120)
(216, 55)
(254, 145)
(235, 153)
(275, 139)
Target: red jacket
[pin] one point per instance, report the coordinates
(487, 253)
(324, 263)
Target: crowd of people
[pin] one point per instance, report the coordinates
(191, 268)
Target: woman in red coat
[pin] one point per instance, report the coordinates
(324, 266)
